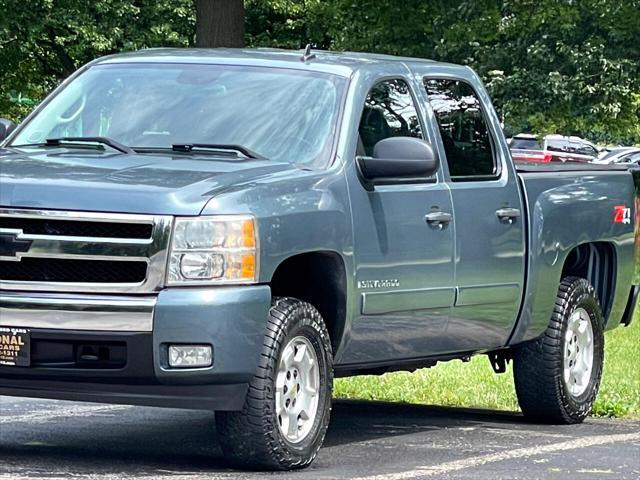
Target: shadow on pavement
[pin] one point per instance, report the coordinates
(358, 421)
(137, 440)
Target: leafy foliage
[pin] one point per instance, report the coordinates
(551, 65)
(563, 66)
(285, 23)
(44, 41)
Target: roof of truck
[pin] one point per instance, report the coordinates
(339, 63)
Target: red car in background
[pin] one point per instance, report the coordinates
(552, 148)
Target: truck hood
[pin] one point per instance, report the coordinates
(94, 180)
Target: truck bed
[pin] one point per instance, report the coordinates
(569, 205)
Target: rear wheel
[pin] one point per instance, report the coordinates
(557, 376)
(286, 413)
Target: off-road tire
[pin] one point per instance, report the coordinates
(251, 438)
(538, 365)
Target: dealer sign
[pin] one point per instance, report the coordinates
(15, 348)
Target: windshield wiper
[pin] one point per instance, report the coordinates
(56, 142)
(217, 148)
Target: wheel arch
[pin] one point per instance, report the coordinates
(319, 278)
(596, 262)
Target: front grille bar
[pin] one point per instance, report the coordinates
(70, 228)
(102, 249)
(89, 248)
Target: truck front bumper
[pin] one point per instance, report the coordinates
(113, 349)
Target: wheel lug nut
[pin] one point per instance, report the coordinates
(289, 375)
(287, 403)
(285, 389)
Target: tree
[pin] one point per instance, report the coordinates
(44, 41)
(220, 23)
(550, 65)
(287, 23)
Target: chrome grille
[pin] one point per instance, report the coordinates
(82, 252)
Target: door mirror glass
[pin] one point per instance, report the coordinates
(399, 157)
(6, 127)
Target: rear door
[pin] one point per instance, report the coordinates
(487, 210)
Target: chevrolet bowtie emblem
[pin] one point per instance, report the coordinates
(11, 245)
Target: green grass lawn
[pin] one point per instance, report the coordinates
(474, 384)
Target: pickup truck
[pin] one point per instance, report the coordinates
(231, 229)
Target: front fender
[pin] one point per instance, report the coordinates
(296, 213)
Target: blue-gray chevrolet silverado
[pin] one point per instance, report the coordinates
(230, 229)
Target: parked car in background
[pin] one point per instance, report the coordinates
(620, 155)
(552, 148)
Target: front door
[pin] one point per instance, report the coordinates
(404, 263)
(488, 215)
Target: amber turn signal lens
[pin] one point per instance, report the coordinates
(248, 266)
(248, 234)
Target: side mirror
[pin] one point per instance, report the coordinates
(6, 127)
(399, 157)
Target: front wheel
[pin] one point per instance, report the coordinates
(286, 413)
(557, 376)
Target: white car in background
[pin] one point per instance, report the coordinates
(552, 148)
(620, 155)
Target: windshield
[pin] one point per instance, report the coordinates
(285, 115)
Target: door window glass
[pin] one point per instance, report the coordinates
(633, 158)
(586, 149)
(464, 131)
(389, 111)
(560, 145)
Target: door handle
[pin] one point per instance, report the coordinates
(438, 219)
(508, 215)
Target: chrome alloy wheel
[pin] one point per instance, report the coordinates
(578, 352)
(297, 389)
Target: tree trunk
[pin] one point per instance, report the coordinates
(219, 23)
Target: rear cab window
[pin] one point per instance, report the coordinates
(525, 144)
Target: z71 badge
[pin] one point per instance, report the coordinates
(623, 215)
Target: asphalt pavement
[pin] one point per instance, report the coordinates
(367, 441)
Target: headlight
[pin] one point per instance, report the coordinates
(217, 249)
